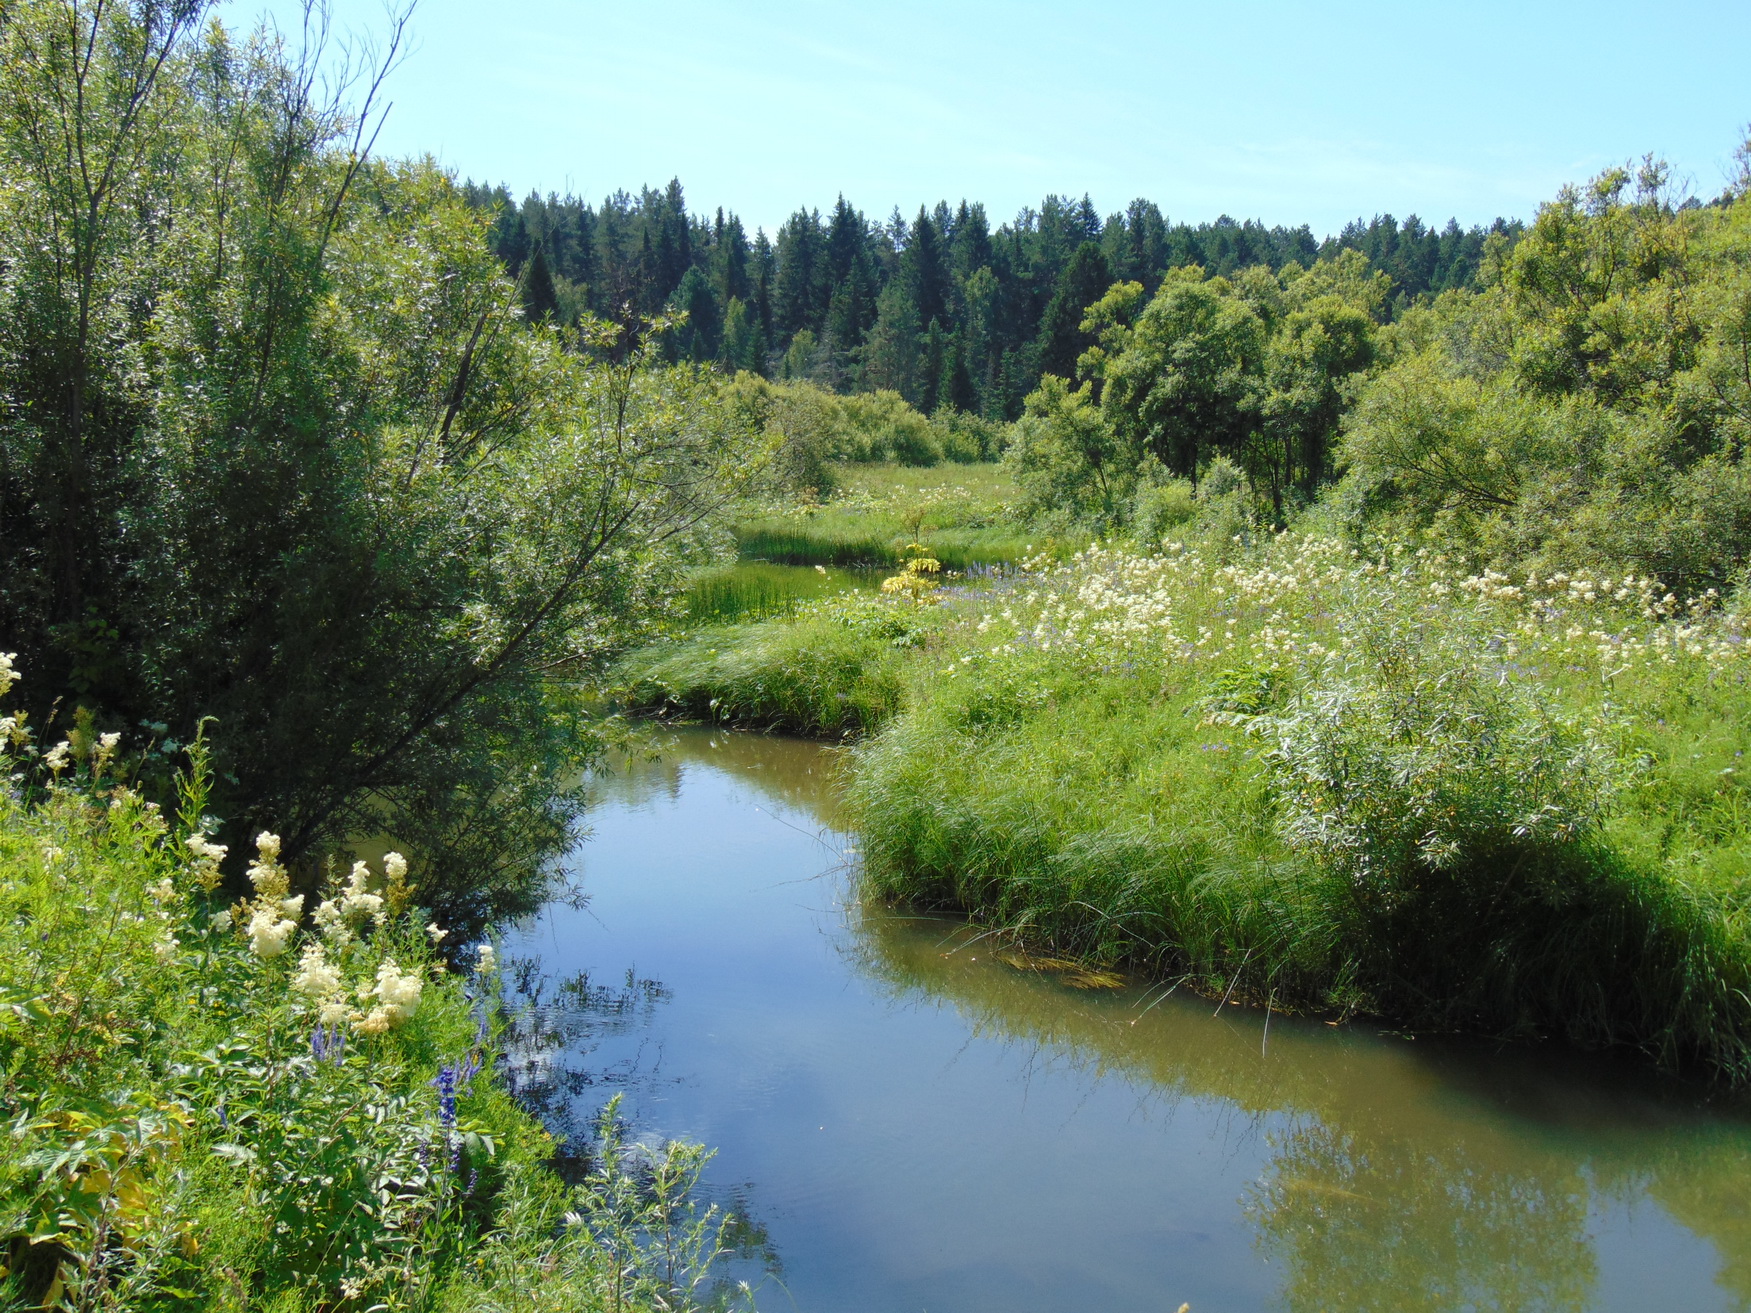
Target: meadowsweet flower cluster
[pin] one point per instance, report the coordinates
(274, 911)
(1296, 601)
(396, 997)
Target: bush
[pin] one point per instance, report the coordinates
(1160, 508)
(1412, 761)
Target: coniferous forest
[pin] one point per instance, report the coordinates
(940, 307)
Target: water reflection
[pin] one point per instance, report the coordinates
(1363, 1171)
(1399, 1175)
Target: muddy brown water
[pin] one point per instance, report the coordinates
(911, 1122)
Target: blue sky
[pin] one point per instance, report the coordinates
(1285, 112)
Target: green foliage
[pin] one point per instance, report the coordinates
(830, 669)
(940, 309)
(756, 590)
(1346, 782)
(965, 512)
(211, 1107)
(1160, 507)
(1589, 408)
(1413, 762)
(1066, 456)
(1183, 384)
(276, 447)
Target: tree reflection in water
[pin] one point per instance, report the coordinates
(1401, 1176)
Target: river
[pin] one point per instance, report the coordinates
(913, 1123)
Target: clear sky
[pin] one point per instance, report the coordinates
(1286, 112)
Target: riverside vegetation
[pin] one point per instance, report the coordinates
(222, 1103)
(321, 512)
(306, 532)
(1408, 676)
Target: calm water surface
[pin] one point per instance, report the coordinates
(916, 1125)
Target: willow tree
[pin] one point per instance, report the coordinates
(277, 446)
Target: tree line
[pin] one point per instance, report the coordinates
(941, 308)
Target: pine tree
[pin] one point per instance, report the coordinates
(699, 337)
(764, 275)
(958, 392)
(799, 295)
(924, 270)
(932, 367)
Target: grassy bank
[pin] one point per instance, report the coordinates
(1302, 774)
(962, 510)
(832, 668)
(227, 1105)
(1345, 781)
(756, 590)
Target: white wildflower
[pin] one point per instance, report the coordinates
(357, 902)
(265, 872)
(268, 933)
(56, 757)
(333, 1013)
(317, 977)
(106, 748)
(488, 962)
(398, 998)
(8, 672)
(220, 921)
(436, 933)
(207, 856)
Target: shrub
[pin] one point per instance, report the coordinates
(1413, 759)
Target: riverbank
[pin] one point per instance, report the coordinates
(911, 1115)
(1308, 775)
(214, 1108)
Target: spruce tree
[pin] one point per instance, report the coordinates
(1061, 335)
(925, 271)
(540, 297)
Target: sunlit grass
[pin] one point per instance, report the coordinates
(962, 512)
(1355, 780)
(760, 590)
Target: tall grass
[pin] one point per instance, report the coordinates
(758, 590)
(962, 511)
(1218, 771)
(831, 669)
